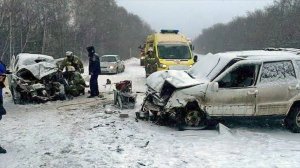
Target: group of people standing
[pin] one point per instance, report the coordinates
(71, 61)
(74, 67)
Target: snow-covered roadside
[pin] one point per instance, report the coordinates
(78, 133)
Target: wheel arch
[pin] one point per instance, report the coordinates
(194, 105)
(295, 104)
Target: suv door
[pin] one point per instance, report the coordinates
(236, 93)
(276, 86)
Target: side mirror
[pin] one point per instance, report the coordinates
(214, 86)
(195, 58)
(192, 48)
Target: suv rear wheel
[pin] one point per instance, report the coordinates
(292, 121)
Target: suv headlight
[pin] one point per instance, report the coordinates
(111, 67)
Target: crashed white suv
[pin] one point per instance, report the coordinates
(244, 83)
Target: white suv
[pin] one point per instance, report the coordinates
(242, 83)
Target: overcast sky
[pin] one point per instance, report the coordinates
(190, 16)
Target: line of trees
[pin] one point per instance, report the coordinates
(276, 26)
(54, 26)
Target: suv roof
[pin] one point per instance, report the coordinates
(109, 55)
(260, 54)
(293, 50)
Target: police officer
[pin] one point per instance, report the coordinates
(72, 60)
(2, 110)
(94, 71)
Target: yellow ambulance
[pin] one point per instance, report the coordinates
(168, 50)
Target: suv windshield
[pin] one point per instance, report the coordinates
(173, 51)
(108, 59)
(209, 66)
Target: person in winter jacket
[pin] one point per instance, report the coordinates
(94, 71)
(72, 60)
(2, 110)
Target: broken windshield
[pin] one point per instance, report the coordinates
(173, 51)
(209, 66)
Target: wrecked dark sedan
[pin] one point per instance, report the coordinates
(259, 83)
(35, 79)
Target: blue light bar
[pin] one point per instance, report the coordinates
(169, 31)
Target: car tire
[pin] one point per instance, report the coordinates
(292, 121)
(183, 120)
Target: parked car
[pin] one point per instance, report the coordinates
(35, 78)
(236, 84)
(111, 64)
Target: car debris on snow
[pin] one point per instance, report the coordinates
(223, 130)
(123, 115)
(123, 95)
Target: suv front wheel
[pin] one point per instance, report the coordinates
(292, 121)
(190, 119)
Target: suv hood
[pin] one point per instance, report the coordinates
(38, 70)
(178, 79)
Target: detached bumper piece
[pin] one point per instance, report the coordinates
(123, 96)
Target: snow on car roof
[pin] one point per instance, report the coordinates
(209, 65)
(28, 59)
(110, 55)
(260, 54)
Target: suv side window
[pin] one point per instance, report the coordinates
(298, 63)
(277, 72)
(241, 76)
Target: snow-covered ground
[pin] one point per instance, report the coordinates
(78, 133)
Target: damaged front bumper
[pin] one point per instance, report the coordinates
(152, 101)
(170, 97)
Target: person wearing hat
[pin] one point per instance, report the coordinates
(2, 109)
(72, 60)
(94, 71)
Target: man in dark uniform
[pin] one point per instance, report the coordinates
(94, 71)
(2, 110)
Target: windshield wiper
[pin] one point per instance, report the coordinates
(189, 74)
(213, 68)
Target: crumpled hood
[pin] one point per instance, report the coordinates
(179, 79)
(39, 70)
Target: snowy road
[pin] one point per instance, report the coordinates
(78, 133)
